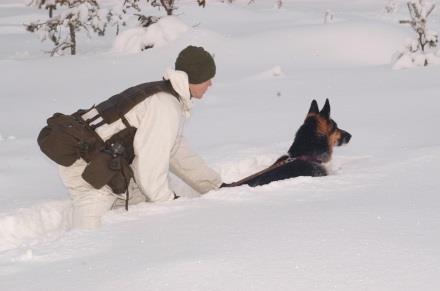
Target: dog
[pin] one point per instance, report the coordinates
(311, 148)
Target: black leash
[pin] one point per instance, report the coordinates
(274, 166)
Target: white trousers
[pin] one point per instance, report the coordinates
(90, 204)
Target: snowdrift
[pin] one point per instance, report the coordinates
(135, 40)
(370, 225)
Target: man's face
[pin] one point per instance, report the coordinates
(198, 90)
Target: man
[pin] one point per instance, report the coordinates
(158, 144)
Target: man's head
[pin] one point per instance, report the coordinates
(199, 65)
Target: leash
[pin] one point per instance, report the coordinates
(273, 167)
(276, 165)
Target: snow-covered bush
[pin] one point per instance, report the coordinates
(118, 15)
(157, 34)
(86, 15)
(49, 5)
(146, 21)
(328, 16)
(76, 15)
(417, 52)
(278, 3)
(168, 5)
(391, 6)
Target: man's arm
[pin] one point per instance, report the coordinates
(153, 142)
(192, 169)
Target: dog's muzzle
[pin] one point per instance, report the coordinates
(345, 137)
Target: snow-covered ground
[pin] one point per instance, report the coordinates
(374, 224)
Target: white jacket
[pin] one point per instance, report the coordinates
(159, 145)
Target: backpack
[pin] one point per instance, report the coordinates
(67, 138)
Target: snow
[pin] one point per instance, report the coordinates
(373, 224)
(134, 40)
(411, 60)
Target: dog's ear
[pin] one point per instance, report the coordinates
(314, 107)
(325, 112)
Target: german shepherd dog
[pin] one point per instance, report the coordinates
(311, 148)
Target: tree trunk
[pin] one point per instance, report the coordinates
(168, 5)
(422, 40)
(51, 9)
(72, 39)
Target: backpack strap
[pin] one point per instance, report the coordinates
(125, 121)
(120, 104)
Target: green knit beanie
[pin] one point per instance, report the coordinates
(197, 63)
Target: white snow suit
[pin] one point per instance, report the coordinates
(159, 147)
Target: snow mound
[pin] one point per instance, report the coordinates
(28, 226)
(358, 42)
(363, 43)
(158, 34)
(274, 72)
(412, 60)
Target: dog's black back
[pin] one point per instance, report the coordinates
(289, 170)
(312, 146)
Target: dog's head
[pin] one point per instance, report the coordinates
(319, 134)
(326, 126)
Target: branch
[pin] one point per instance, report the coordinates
(406, 21)
(430, 10)
(415, 10)
(62, 46)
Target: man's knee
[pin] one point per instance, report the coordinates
(89, 208)
(83, 221)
